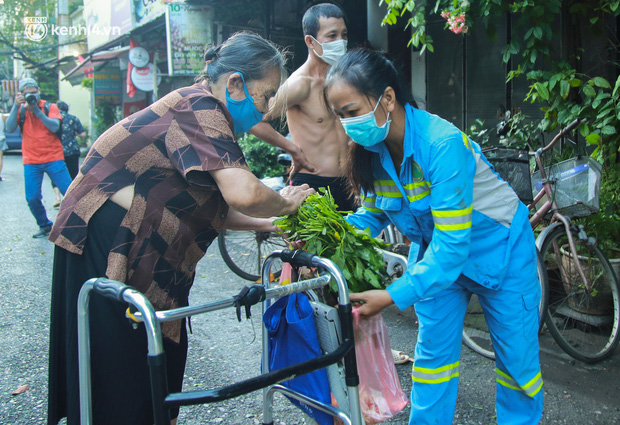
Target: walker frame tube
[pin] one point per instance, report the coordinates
(346, 323)
(162, 399)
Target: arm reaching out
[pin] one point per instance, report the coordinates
(294, 91)
(246, 194)
(374, 301)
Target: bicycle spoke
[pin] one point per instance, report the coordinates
(582, 315)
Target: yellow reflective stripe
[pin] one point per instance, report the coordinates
(415, 184)
(467, 142)
(439, 369)
(453, 219)
(389, 194)
(417, 190)
(371, 209)
(370, 204)
(532, 388)
(450, 227)
(435, 376)
(387, 189)
(453, 213)
(418, 197)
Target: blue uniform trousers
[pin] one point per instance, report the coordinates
(512, 315)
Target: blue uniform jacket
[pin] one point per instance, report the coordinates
(461, 217)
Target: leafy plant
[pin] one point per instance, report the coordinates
(262, 158)
(605, 225)
(557, 80)
(564, 93)
(326, 233)
(107, 114)
(478, 132)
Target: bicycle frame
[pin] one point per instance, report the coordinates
(550, 204)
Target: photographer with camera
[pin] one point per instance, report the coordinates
(42, 152)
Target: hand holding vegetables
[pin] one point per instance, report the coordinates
(327, 234)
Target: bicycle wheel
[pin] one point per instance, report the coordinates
(584, 324)
(476, 335)
(243, 251)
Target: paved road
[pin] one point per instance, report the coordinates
(223, 351)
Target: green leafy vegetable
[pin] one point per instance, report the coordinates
(327, 234)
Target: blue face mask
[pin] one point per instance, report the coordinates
(364, 129)
(244, 112)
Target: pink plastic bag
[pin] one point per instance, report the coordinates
(381, 396)
(286, 275)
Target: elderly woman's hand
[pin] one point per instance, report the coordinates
(296, 194)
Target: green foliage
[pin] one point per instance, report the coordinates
(523, 133)
(87, 83)
(605, 225)
(48, 83)
(564, 93)
(569, 95)
(107, 114)
(328, 235)
(12, 30)
(478, 132)
(262, 158)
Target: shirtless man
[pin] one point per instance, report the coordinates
(315, 130)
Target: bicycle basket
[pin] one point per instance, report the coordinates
(513, 166)
(577, 185)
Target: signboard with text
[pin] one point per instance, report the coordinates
(189, 27)
(106, 21)
(108, 83)
(146, 10)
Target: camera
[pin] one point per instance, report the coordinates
(31, 99)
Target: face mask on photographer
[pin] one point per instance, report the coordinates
(332, 51)
(244, 112)
(364, 129)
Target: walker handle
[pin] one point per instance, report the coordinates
(297, 258)
(110, 288)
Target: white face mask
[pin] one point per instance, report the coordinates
(332, 51)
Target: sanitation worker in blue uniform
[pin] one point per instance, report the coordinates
(470, 235)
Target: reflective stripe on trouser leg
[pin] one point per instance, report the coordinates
(436, 368)
(512, 316)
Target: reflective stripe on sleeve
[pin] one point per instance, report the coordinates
(387, 189)
(467, 143)
(453, 219)
(417, 190)
(435, 376)
(370, 205)
(530, 389)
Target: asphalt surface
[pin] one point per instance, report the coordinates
(223, 351)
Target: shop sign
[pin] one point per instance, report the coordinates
(105, 21)
(147, 10)
(142, 78)
(189, 27)
(108, 83)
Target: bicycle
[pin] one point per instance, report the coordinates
(584, 295)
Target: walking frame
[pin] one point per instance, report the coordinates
(268, 381)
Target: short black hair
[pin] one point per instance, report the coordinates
(62, 106)
(310, 21)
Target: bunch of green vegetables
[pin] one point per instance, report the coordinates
(327, 234)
